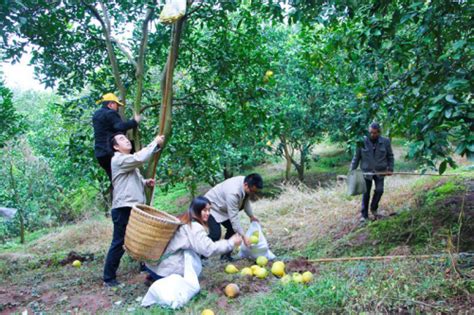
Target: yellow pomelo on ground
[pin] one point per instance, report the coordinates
(269, 73)
(307, 276)
(76, 263)
(269, 143)
(231, 269)
(297, 277)
(261, 273)
(285, 279)
(207, 312)
(255, 268)
(231, 290)
(278, 269)
(253, 239)
(262, 261)
(246, 272)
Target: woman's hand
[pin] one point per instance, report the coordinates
(236, 239)
(150, 182)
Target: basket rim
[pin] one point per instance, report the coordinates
(168, 217)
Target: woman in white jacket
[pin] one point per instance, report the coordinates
(192, 235)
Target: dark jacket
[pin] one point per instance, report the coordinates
(106, 122)
(378, 160)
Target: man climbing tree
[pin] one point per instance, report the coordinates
(106, 122)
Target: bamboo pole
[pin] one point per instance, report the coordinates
(408, 173)
(367, 258)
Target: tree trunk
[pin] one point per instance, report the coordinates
(17, 201)
(166, 100)
(288, 158)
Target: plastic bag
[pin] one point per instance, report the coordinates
(175, 291)
(173, 11)
(256, 250)
(356, 183)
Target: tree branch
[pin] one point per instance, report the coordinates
(212, 88)
(110, 51)
(106, 17)
(126, 52)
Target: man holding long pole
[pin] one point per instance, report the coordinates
(375, 156)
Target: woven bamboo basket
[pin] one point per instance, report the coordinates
(149, 232)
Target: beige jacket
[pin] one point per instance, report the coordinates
(193, 237)
(128, 183)
(226, 200)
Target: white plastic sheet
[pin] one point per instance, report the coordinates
(173, 11)
(256, 250)
(175, 291)
(356, 183)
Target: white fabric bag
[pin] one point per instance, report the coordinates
(173, 11)
(256, 250)
(175, 291)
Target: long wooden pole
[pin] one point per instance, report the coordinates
(365, 258)
(408, 173)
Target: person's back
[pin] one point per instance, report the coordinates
(106, 122)
(103, 129)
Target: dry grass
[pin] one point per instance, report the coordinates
(90, 236)
(301, 215)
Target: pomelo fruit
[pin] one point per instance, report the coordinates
(278, 269)
(253, 239)
(231, 290)
(262, 261)
(246, 272)
(307, 277)
(261, 273)
(297, 277)
(231, 269)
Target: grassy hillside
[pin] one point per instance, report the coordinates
(433, 216)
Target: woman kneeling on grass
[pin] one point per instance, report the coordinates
(192, 235)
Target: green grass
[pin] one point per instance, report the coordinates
(167, 200)
(14, 244)
(364, 287)
(424, 228)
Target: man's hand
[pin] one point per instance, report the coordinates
(389, 173)
(150, 182)
(254, 219)
(246, 240)
(160, 140)
(137, 118)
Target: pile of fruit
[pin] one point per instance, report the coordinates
(260, 271)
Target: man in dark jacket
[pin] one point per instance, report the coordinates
(376, 156)
(106, 122)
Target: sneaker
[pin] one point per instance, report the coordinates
(111, 283)
(227, 257)
(363, 220)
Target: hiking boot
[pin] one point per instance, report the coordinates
(376, 215)
(111, 283)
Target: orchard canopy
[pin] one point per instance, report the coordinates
(232, 82)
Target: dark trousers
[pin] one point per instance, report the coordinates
(120, 218)
(376, 197)
(154, 276)
(104, 162)
(215, 229)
